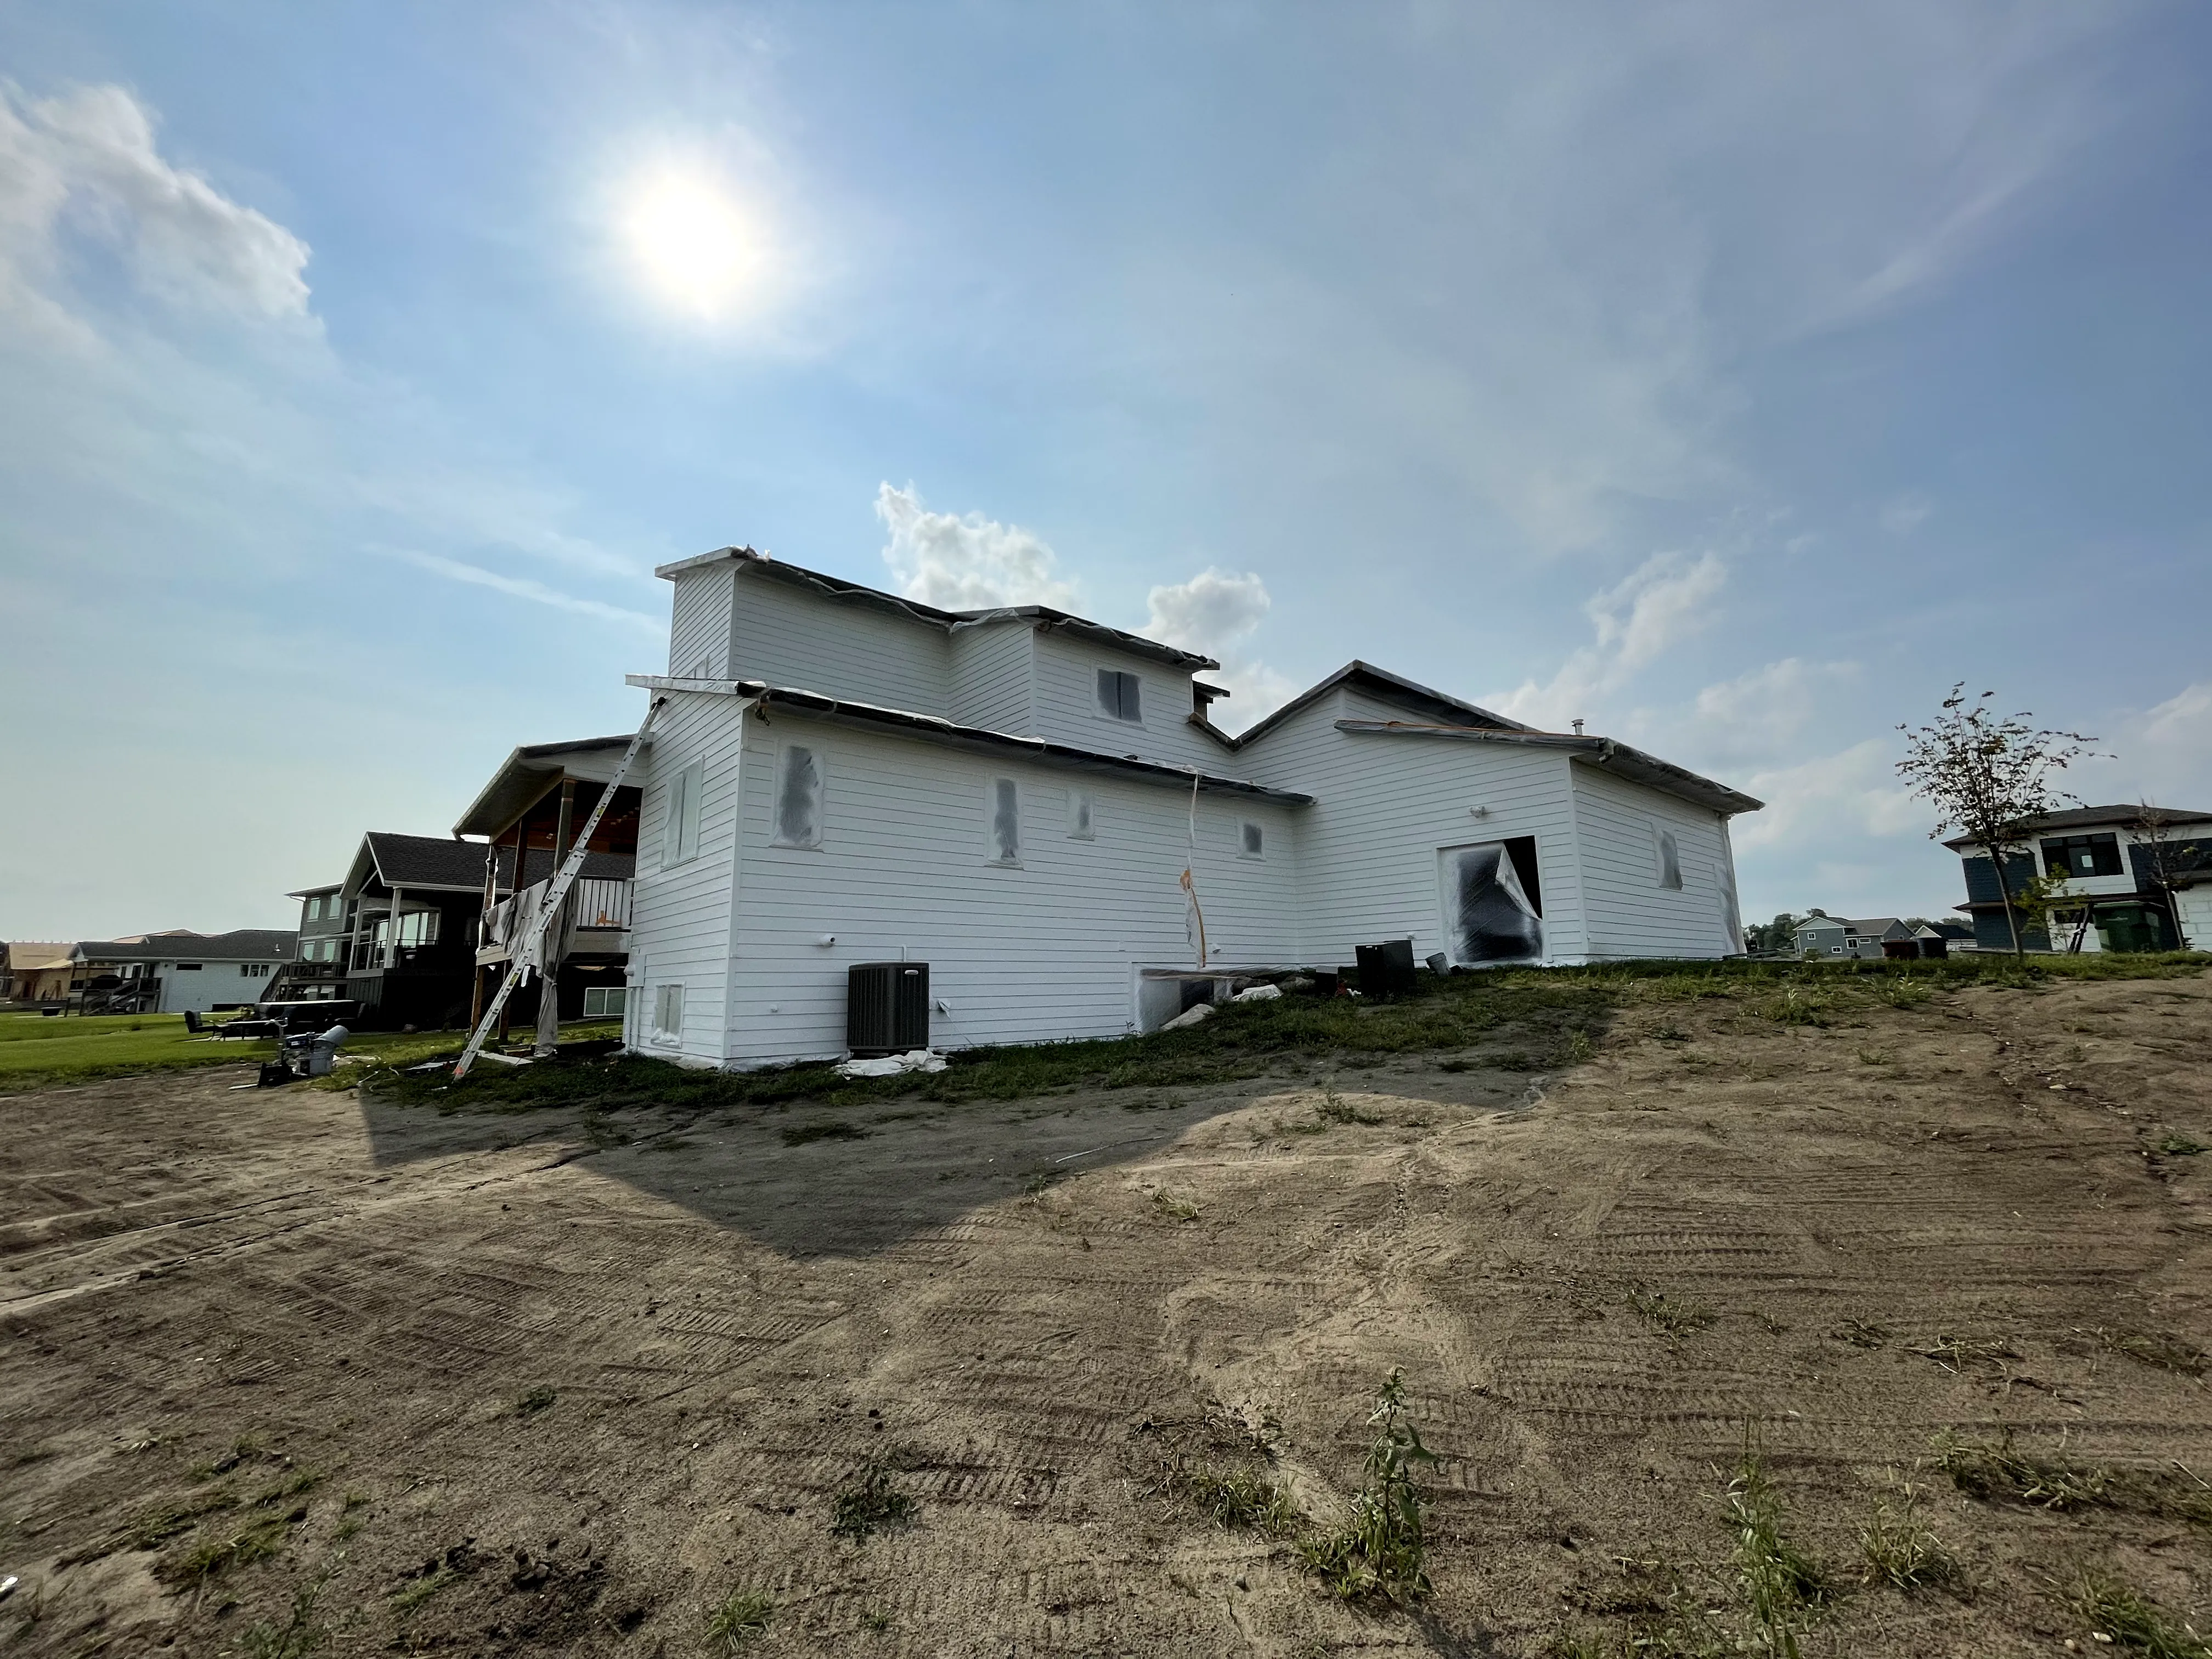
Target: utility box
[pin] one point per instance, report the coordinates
(1386, 970)
(886, 1008)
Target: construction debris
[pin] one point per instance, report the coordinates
(918, 1060)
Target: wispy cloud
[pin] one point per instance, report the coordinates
(1665, 599)
(522, 587)
(1217, 612)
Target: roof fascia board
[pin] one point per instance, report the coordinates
(1394, 688)
(972, 738)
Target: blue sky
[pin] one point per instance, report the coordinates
(1733, 377)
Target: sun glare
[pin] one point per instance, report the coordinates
(697, 247)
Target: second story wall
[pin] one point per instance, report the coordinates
(994, 676)
(849, 648)
(1069, 709)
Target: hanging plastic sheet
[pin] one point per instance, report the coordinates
(1487, 907)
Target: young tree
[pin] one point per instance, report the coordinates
(1986, 774)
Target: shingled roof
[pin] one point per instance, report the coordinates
(242, 945)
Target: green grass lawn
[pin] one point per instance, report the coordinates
(38, 1052)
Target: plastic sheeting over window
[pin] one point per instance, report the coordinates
(798, 798)
(1081, 823)
(1006, 822)
(679, 835)
(668, 1013)
(1490, 914)
(1670, 859)
(1252, 840)
(1119, 695)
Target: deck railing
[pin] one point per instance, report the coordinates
(600, 902)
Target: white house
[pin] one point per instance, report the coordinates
(2139, 879)
(181, 972)
(837, 775)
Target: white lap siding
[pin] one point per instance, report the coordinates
(1067, 709)
(1385, 806)
(680, 916)
(1045, 951)
(699, 625)
(1630, 915)
(994, 677)
(841, 646)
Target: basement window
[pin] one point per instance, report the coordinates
(1251, 840)
(1120, 695)
(798, 798)
(679, 833)
(1082, 825)
(1670, 860)
(1006, 804)
(668, 1013)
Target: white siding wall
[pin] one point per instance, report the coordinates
(1630, 915)
(1385, 806)
(210, 983)
(699, 631)
(1067, 705)
(799, 638)
(994, 677)
(1046, 951)
(680, 917)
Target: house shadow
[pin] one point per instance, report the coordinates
(908, 1175)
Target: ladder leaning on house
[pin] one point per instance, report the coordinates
(529, 951)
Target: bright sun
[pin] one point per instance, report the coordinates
(696, 246)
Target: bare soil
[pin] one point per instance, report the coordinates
(564, 1382)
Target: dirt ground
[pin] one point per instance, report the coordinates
(496, 1384)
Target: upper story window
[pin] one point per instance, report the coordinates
(2083, 855)
(1082, 821)
(1006, 804)
(1119, 695)
(1252, 841)
(798, 798)
(679, 830)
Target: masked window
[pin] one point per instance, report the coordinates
(1006, 822)
(1492, 909)
(798, 798)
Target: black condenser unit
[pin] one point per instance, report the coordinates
(1386, 970)
(886, 1007)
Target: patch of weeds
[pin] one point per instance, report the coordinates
(1901, 1551)
(836, 1129)
(2118, 1614)
(1669, 1033)
(1861, 1333)
(157, 1527)
(1781, 1586)
(1174, 1206)
(2178, 1145)
(2160, 1348)
(1876, 1056)
(299, 1636)
(1676, 1317)
(1381, 1554)
(1955, 1353)
(211, 1558)
(1901, 992)
(405, 1602)
(1574, 1048)
(1237, 1499)
(601, 1131)
(1992, 1471)
(1798, 1005)
(296, 1484)
(875, 1619)
(535, 1401)
(1336, 1109)
(743, 1616)
(870, 1503)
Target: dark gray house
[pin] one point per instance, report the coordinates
(2142, 878)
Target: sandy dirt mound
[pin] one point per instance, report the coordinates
(503, 1385)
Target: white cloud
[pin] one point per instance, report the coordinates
(1663, 601)
(1214, 613)
(84, 165)
(2162, 754)
(1856, 792)
(971, 563)
(1757, 715)
(522, 587)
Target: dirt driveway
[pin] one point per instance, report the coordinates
(490, 1385)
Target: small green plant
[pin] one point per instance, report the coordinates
(743, 1616)
(1334, 1108)
(1992, 1470)
(257, 1541)
(2118, 1614)
(1781, 1586)
(1383, 1553)
(1900, 1551)
(1239, 1500)
(1174, 1206)
(1861, 1333)
(1574, 1047)
(1675, 1316)
(301, 1634)
(2177, 1146)
(871, 1503)
(2167, 1351)
(406, 1601)
(1901, 992)
(1576, 1644)
(535, 1402)
(876, 1619)
(1798, 1005)
(1956, 1353)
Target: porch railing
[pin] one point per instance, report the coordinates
(599, 901)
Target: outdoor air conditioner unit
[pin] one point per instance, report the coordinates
(886, 1007)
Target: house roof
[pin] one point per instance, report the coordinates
(528, 772)
(1407, 694)
(423, 860)
(974, 738)
(316, 892)
(1615, 757)
(28, 956)
(837, 587)
(2127, 815)
(243, 945)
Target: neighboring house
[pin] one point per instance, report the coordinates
(181, 972)
(398, 936)
(1012, 797)
(34, 971)
(1841, 936)
(2142, 886)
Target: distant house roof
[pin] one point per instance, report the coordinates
(425, 861)
(2128, 815)
(1615, 757)
(528, 772)
(243, 945)
(974, 738)
(315, 892)
(837, 587)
